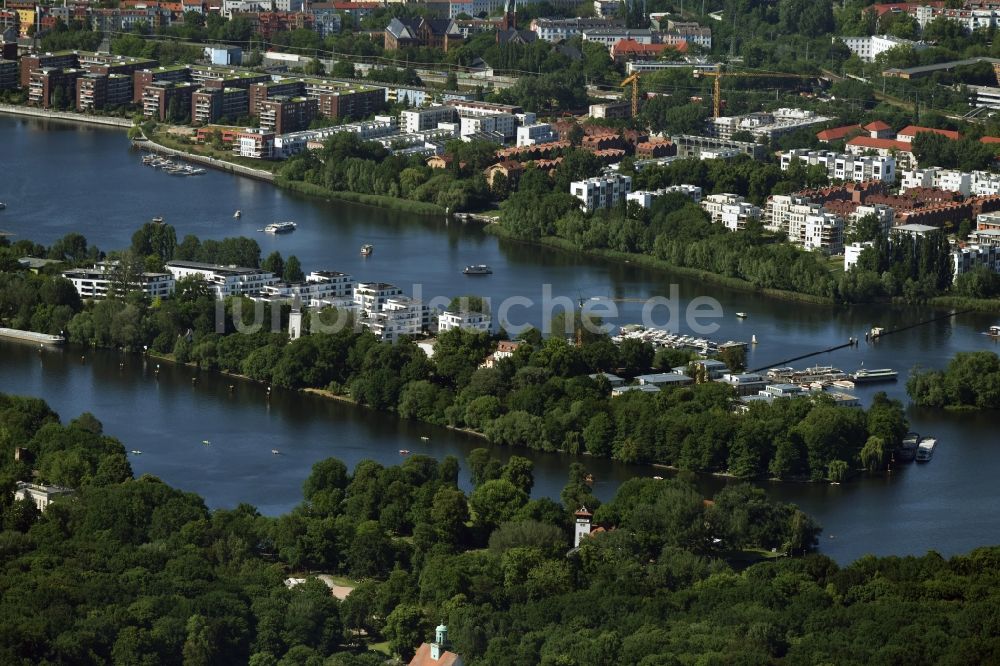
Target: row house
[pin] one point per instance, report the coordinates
(844, 166)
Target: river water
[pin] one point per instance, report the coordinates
(64, 177)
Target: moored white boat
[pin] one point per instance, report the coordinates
(280, 228)
(925, 450)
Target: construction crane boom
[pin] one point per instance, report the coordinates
(633, 80)
(717, 83)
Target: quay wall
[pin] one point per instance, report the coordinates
(31, 336)
(65, 115)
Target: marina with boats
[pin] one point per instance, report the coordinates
(171, 167)
(663, 338)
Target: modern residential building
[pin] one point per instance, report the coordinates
(41, 495)
(209, 105)
(558, 30)
(168, 100)
(254, 143)
(103, 91)
(52, 86)
(869, 47)
(529, 135)
(602, 191)
(744, 383)
(224, 281)
(319, 286)
(416, 120)
(765, 124)
(105, 279)
(974, 183)
(970, 257)
(467, 320)
(844, 166)
(9, 75)
(689, 145)
(399, 316)
(261, 92)
(730, 210)
(501, 125)
(282, 115)
(37, 61)
(645, 198)
(370, 297)
(144, 77)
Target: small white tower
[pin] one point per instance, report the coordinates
(583, 517)
(295, 324)
(440, 642)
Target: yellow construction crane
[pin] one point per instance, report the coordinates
(717, 84)
(634, 81)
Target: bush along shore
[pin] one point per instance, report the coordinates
(542, 397)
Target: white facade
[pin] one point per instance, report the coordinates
(730, 210)
(42, 496)
(371, 296)
(530, 135)
(884, 213)
(601, 192)
(98, 282)
(318, 286)
(852, 251)
(470, 321)
(845, 166)
(224, 280)
(975, 183)
(806, 224)
(765, 124)
(503, 124)
(645, 198)
(399, 316)
(416, 120)
(869, 47)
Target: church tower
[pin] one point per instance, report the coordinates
(440, 642)
(509, 20)
(583, 518)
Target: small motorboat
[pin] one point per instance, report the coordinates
(158, 219)
(742, 315)
(925, 449)
(404, 452)
(993, 331)
(424, 438)
(478, 269)
(366, 250)
(276, 452)
(2, 205)
(237, 215)
(137, 452)
(205, 442)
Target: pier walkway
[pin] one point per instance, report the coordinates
(31, 336)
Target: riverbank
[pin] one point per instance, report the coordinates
(647, 261)
(221, 165)
(374, 200)
(47, 114)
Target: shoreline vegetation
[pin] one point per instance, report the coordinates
(550, 395)
(404, 205)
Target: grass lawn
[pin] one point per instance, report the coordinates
(382, 647)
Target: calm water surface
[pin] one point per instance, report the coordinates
(63, 177)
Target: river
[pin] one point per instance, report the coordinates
(104, 192)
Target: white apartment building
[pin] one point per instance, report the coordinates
(535, 133)
(974, 183)
(400, 316)
(466, 107)
(884, 213)
(100, 281)
(608, 37)
(318, 286)
(557, 30)
(470, 321)
(371, 296)
(730, 210)
(867, 48)
(501, 124)
(844, 166)
(852, 251)
(765, 124)
(224, 280)
(41, 495)
(602, 191)
(981, 18)
(645, 198)
(806, 224)
(417, 120)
